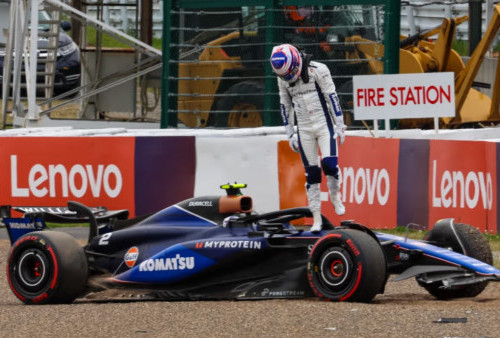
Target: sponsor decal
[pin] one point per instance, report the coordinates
(51, 210)
(44, 181)
(24, 225)
(366, 185)
(459, 189)
(49, 171)
(354, 249)
(463, 189)
(168, 264)
(131, 256)
(256, 245)
(200, 204)
(281, 293)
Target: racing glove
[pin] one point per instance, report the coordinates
(292, 138)
(340, 131)
(294, 143)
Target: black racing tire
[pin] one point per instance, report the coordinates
(244, 103)
(473, 244)
(347, 265)
(47, 267)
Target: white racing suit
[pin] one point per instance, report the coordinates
(316, 107)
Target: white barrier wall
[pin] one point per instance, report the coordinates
(251, 160)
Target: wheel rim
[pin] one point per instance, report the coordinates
(335, 268)
(244, 115)
(32, 270)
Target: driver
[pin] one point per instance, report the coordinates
(308, 94)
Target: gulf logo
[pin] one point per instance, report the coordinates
(131, 256)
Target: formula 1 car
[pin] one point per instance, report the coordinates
(217, 247)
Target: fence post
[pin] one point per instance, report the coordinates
(169, 103)
(391, 57)
(270, 83)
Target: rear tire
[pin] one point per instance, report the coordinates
(245, 102)
(47, 267)
(474, 245)
(347, 265)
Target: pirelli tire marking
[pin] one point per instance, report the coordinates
(346, 265)
(47, 267)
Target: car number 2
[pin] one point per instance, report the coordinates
(104, 240)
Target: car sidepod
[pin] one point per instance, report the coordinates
(222, 268)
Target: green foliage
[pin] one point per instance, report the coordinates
(66, 225)
(461, 47)
(108, 41)
(494, 240)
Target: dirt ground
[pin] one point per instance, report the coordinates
(405, 310)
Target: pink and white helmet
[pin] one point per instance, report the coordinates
(286, 62)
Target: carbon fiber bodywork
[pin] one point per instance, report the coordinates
(217, 247)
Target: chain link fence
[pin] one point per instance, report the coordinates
(219, 59)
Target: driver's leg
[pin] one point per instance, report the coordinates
(329, 163)
(310, 159)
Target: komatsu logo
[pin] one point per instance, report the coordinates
(168, 264)
(230, 245)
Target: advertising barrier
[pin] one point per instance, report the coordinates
(392, 182)
(369, 174)
(386, 182)
(463, 183)
(49, 171)
(141, 174)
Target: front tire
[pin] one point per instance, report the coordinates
(471, 242)
(347, 265)
(47, 267)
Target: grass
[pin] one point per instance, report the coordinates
(493, 240)
(66, 225)
(110, 42)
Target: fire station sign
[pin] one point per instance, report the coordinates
(401, 96)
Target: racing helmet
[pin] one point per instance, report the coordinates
(286, 62)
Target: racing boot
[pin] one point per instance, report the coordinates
(313, 197)
(334, 190)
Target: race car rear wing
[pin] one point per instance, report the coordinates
(28, 219)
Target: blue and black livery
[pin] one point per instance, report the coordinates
(217, 247)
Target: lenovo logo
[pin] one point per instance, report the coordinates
(365, 185)
(78, 180)
(458, 189)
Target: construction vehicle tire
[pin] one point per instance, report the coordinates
(242, 106)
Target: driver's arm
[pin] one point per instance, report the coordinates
(286, 106)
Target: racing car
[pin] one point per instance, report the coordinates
(218, 247)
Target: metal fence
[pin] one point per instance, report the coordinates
(216, 59)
